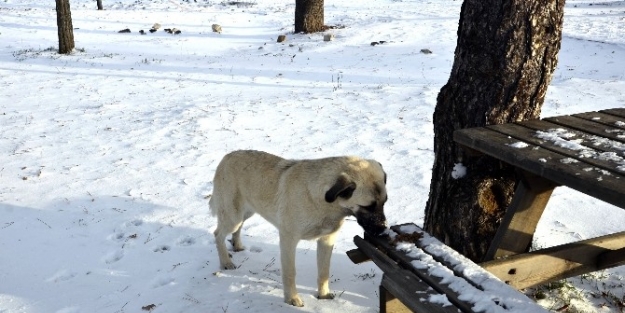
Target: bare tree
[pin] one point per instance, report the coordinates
(309, 16)
(505, 55)
(65, 28)
(99, 3)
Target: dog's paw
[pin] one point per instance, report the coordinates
(236, 246)
(295, 301)
(228, 266)
(327, 296)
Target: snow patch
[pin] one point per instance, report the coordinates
(459, 171)
(519, 145)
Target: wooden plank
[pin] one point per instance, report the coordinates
(406, 283)
(357, 257)
(594, 142)
(516, 231)
(434, 282)
(617, 111)
(399, 256)
(388, 302)
(529, 135)
(578, 175)
(603, 118)
(462, 267)
(555, 263)
(612, 258)
(403, 288)
(591, 127)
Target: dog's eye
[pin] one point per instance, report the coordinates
(370, 207)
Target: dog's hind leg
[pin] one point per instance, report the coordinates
(236, 242)
(237, 245)
(225, 225)
(220, 240)
(324, 252)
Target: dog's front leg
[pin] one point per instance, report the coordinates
(324, 253)
(288, 244)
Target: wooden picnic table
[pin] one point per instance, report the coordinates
(585, 152)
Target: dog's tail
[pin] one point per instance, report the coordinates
(212, 205)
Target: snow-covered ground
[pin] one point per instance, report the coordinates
(107, 154)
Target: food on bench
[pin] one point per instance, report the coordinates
(412, 237)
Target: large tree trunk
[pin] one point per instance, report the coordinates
(99, 3)
(65, 28)
(505, 56)
(309, 16)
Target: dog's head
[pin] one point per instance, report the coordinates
(361, 188)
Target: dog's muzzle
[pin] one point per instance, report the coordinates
(374, 223)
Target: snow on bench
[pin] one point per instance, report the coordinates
(428, 276)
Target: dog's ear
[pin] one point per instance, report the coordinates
(343, 187)
(382, 171)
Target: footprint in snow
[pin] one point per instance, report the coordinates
(135, 223)
(62, 275)
(113, 257)
(117, 237)
(186, 241)
(162, 281)
(256, 249)
(162, 248)
(120, 235)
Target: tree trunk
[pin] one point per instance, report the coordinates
(506, 53)
(65, 28)
(309, 16)
(99, 3)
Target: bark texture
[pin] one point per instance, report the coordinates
(506, 53)
(64, 25)
(309, 16)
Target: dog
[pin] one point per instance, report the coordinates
(303, 199)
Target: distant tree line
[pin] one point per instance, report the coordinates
(308, 19)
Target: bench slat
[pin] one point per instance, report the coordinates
(609, 188)
(411, 288)
(611, 258)
(591, 141)
(403, 260)
(529, 135)
(413, 293)
(591, 127)
(559, 262)
(618, 112)
(603, 118)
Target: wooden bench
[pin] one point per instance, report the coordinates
(585, 152)
(421, 274)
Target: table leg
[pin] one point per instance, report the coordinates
(388, 302)
(517, 228)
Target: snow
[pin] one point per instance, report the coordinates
(458, 171)
(490, 298)
(108, 154)
(564, 139)
(519, 145)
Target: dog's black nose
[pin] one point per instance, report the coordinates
(374, 224)
(377, 230)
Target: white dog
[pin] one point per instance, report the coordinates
(303, 199)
